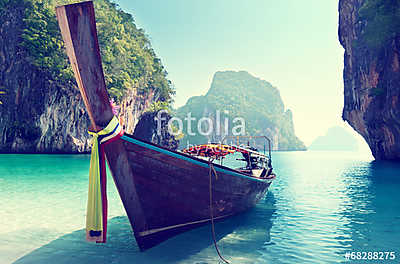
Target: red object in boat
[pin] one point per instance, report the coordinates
(211, 150)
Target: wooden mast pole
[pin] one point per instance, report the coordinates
(78, 28)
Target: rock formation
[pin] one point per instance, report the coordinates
(147, 129)
(240, 95)
(370, 34)
(335, 139)
(40, 114)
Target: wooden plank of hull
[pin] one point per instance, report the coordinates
(78, 29)
(175, 192)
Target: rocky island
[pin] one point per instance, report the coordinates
(335, 139)
(240, 95)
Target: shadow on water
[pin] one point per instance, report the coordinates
(238, 238)
(371, 214)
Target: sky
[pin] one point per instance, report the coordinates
(291, 44)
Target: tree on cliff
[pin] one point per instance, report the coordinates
(240, 95)
(383, 25)
(369, 30)
(42, 110)
(129, 62)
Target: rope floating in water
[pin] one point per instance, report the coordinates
(210, 173)
(96, 216)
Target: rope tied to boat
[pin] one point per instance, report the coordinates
(210, 173)
(96, 216)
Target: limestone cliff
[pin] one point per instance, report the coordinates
(41, 113)
(147, 127)
(240, 95)
(370, 34)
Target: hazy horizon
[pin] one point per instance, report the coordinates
(291, 44)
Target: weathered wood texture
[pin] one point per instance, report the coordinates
(78, 29)
(163, 194)
(175, 193)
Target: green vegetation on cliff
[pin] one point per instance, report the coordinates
(371, 72)
(383, 22)
(241, 95)
(129, 62)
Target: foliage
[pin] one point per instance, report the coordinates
(128, 59)
(176, 133)
(159, 105)
(129, 62)
(239, 94)
(42, 39)
(382, 22)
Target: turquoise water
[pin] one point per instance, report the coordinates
(322, 205)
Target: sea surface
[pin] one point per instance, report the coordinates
(322, 205)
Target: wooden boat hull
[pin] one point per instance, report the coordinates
(174, 191)
(164, 192)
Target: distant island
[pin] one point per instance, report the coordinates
(335, 139)
(240, 95)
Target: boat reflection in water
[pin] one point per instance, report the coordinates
(324, 205)
(240, 237)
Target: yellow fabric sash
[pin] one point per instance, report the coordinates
(94, 218)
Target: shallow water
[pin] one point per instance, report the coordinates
(322, 205)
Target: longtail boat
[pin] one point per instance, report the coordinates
(164, 192)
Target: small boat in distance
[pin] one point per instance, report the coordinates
(164, 192)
